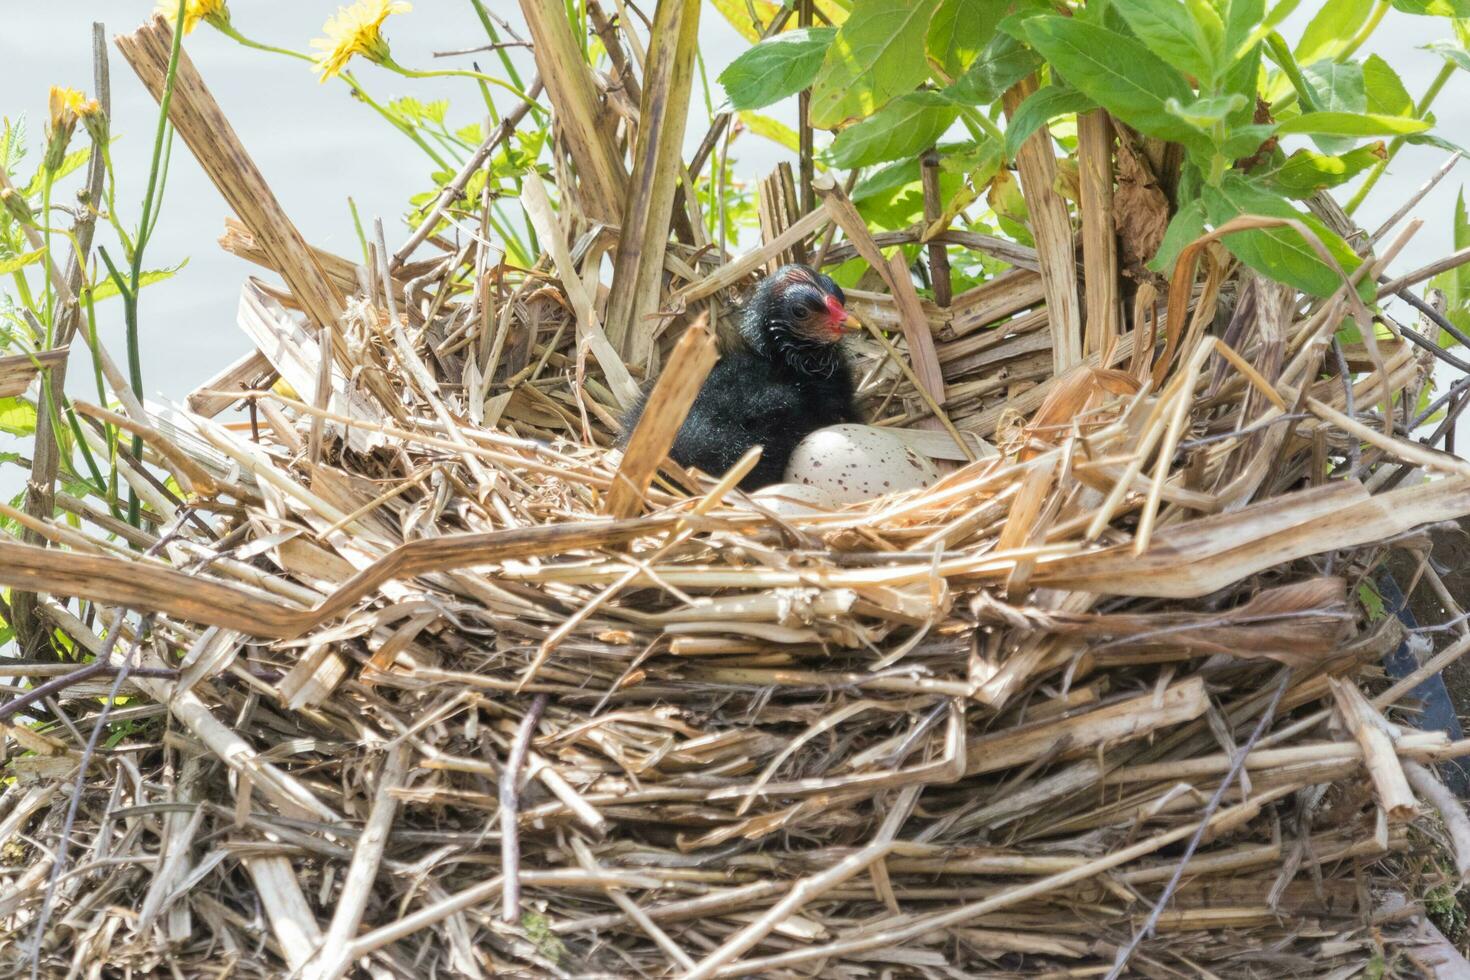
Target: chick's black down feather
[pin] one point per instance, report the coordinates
(790, 378)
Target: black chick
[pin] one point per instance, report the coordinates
(791, 378)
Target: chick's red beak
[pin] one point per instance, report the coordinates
(841, 319)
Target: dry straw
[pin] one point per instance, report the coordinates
(446, 689)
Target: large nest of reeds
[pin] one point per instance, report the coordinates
(431, 684)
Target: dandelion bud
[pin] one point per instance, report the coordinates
(15, 202)
(65, 106)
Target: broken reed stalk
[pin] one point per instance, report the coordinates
(657, 159)
(663, 414)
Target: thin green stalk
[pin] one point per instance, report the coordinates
(24, 289)
(357, 225)
(1281, 54)
(395, 122)
(515, 90)
(47, 291)
(1397, 143)
(494, 35)
(1371, 25)
(984, 124)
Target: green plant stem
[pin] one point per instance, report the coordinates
(515, 90)
(985, 125)
(1371, 25)
(1397, 143)
(494, 35)
(1281, 54)
(352, 82)
(24, 289)
(47, 291)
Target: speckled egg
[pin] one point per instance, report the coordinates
(858, 462)
(795, 499)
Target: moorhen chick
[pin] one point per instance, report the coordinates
(790, 378)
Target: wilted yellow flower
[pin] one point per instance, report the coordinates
(66, 106)
(215, 12)
(355, 30)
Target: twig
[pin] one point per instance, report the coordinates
(1267, 715)
(510, 840)
(450, 192)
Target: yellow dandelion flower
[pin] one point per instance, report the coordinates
(215, 12)
(357, 29)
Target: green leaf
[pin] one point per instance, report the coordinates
(1372, 602)
(1332, 29)
(886, 179)
(1454, 53)
(1350, 124)
(1120, 74)
(1277, 253)
(904, 127)
(1433, 8)
(1438, 142)
(1040, 108)
(776, 67)
(1187, 224)
(1003, 63)
(1243, 78)
(1278, 15)
(958, 32)
(17, 417)
(1386, 95)
(1245, 141)
(1170, 31)
(772, 129)
(17, 262)
(1336, 88)
(877, 55)
(1240, 19)
(1203, 114)
(1455, 284)
(107, 288)
(1306, 172)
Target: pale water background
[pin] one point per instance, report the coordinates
(316, 145)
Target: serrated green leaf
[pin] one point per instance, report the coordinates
(877, 55)
(17, 262)
(1119, 74)
(776, 68)
(1433, 8)
(1306, 172)
(1277, 253)
(1187, 224)
(1332, 29)
(1040, 108)
(1386, 95)
(17, 417)
(904, 127)
(1350, 124)
(1003, 63)
(106, 289)
(70, 163)
(958, 32)
(1173, 32)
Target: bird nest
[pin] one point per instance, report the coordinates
(427, 682)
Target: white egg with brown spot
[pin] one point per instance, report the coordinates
(795, 499)
(853, 463)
